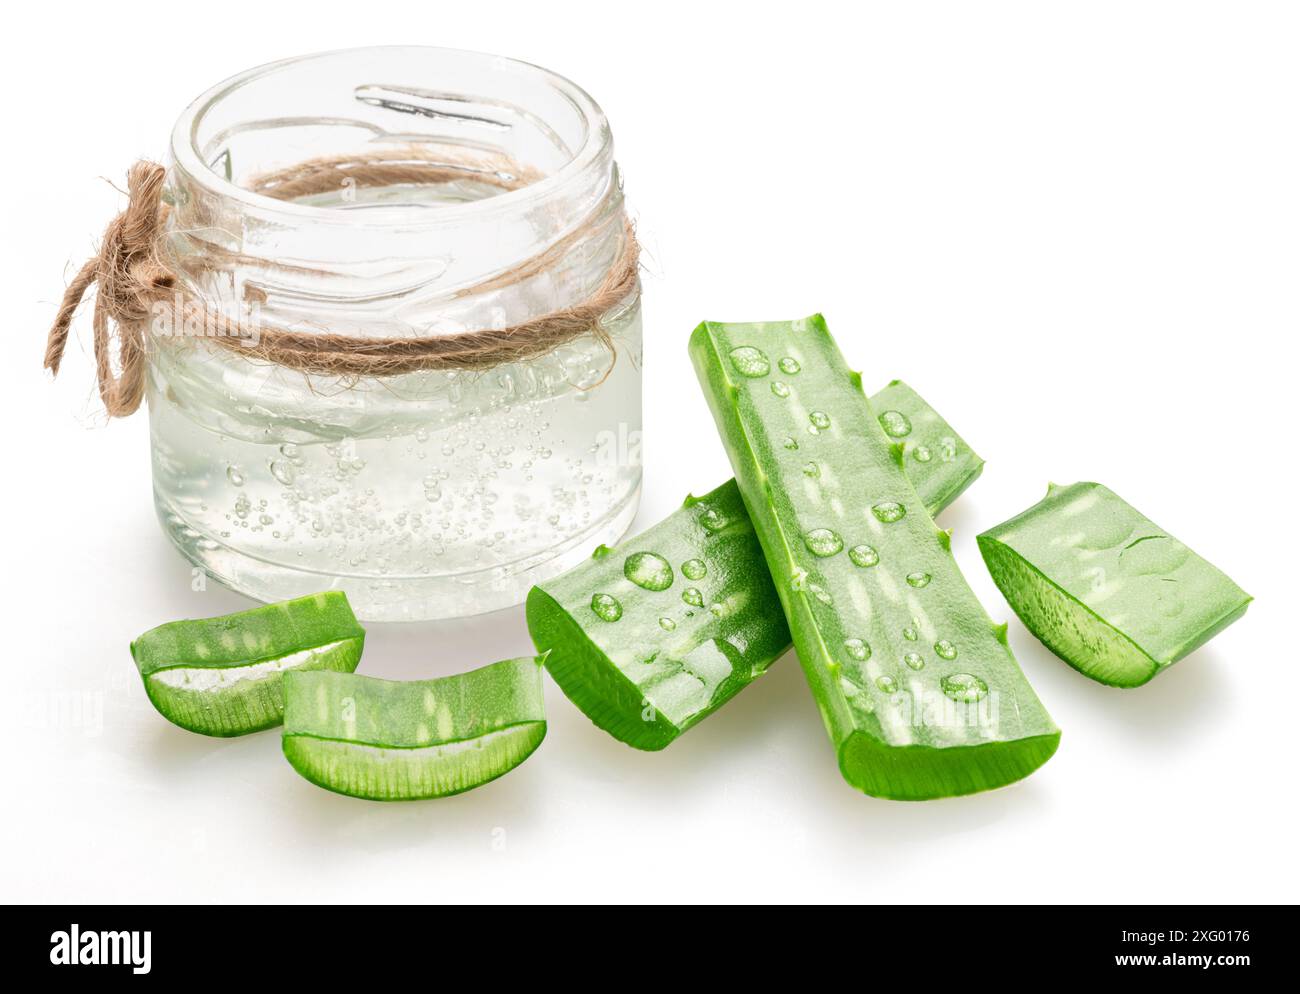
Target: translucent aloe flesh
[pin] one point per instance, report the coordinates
(401, 741)
(652, 636)
(918, 689)
(1106, 588)
(222, 676)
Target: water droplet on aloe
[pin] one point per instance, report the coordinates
(918, 579)
(888, 511)
(914, 661)
(790, 443)
(606, 607)
(895, 424)
(648, 570)
(812, 470)
(964, 688)
(857, 649)
(910, 633)
(667, 624)
(886, 683)
(780, 389)
(235, 477)
(945, 649)
(750, 362)
(822, 542)
(820, 420)
(947, 449)
(693, 597)
(820, 593)
(864, 555)
(921, 454)
(694, 569)
(789, 365)
(717, 610)
(714, 521)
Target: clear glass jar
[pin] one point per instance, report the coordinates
(430, 494)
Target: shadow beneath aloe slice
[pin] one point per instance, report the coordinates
(773, 731)
(1161, 714)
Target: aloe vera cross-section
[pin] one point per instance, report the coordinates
(1106, 588)
(221, 676)
(918, 690)
(652, 636)
(387, 740)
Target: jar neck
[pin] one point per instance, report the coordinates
(510, 231)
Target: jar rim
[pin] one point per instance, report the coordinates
(595, 146)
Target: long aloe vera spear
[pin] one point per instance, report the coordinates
(652, 636)
(221, 676)
(917, 687)
(392, 741)
(1106, 588)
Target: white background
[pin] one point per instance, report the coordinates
(1073, 227)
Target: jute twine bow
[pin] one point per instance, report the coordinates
(132, 281)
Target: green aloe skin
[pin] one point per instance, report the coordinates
(222, 676)
(918, 689)
(385, 740)
(1106, 588)
(654, 635)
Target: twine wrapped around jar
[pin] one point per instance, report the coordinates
(134, 283)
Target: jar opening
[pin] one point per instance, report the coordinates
(524, 134)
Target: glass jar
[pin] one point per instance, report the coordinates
(429, 494)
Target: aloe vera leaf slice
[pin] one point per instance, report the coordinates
(1106, 588)
(917, 687)
(649, 638)
(937, 460)
(387, 740)
(221, 676)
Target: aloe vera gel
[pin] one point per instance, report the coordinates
(918, 690)
(222, 676)
(1105, 588)
(652, 636)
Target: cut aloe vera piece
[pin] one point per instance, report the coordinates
(1106, 588)
(403, 741)
(221, 676)
(938, 461)
(917, 687)
(652, 636)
